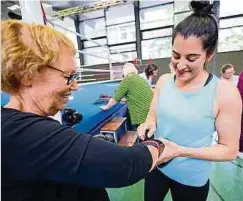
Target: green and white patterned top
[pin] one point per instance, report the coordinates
(139, 96)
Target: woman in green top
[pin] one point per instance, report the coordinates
(137, 93)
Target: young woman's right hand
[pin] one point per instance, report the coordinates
(143, 127)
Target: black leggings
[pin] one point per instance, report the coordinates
(157, 186)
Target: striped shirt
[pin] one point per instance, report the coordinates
(139, 96)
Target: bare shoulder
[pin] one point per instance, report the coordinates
(228, 93)
(163, 78)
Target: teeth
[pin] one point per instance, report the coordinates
(65, 96)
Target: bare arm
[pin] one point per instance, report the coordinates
(110, 104)
(151, 119)
(228, 124)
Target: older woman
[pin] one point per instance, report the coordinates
(41, 159)
(137, 92)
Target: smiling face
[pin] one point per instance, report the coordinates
(228, 74)
(49, 90)
(188, 57)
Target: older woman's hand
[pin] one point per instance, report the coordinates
(171, 151)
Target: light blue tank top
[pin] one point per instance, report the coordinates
(187, 118)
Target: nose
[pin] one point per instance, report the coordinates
(74, 85)
(181, 65)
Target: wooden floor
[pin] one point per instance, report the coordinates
(226, 182)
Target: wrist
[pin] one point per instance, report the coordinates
(183, 151)
(159, 145)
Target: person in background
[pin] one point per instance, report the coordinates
(227, 74)
(137, 93)
(150, 73)
(240, 87)
(187, 108)
(41, 159)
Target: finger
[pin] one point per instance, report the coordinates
(140, 132)
(151, 132)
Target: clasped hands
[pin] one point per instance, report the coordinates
(171, 149)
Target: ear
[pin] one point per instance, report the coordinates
(26, 80)
(210, 56)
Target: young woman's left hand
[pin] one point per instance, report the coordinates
(171, 151)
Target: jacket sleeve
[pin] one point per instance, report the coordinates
(45, 150)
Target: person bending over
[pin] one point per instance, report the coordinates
(150, 73)
(137, 93)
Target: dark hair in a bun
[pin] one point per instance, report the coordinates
(201, 24)
(202, 7)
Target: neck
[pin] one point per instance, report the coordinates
(195, 82)
(17, 102)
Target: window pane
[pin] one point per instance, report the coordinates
(92, 60)
(181, 6)
(120, 14)
(102, 41)
(230, 7)
(180, 16)
(157, 48)
(93, 28)
(122, 48)
(93, 14)
(127, 56)
(235, 21)
(121, 33)
(148, 3)
(230, 39)
(158, 16)
(157, 33)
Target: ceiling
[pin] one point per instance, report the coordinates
(57, 5)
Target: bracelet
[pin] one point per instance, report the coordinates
(152, 143)
(156, 143)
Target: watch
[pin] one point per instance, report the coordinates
(155, 143)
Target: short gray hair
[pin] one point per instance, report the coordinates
(129, 68)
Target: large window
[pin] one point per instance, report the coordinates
(120, 14)
(230, 39)
(92, 60)
(101, 41)
(180, 16)
(157, 48)
(158, 16)
(157, 33)
(123, 48)
(149, 3)
(93, 28)
(91, 15)
(231, 22)
(124, 57)
(230, 7)
(181, 6)
(121, 33)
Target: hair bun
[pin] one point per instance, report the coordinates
(202, 7)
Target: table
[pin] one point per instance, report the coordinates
(83, 100)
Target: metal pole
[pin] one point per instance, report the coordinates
(31, 11)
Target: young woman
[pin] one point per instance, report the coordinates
(187, 108)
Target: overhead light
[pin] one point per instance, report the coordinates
(14, 7)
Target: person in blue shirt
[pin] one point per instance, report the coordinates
(187, 108)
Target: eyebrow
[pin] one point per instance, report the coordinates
(190, 55)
